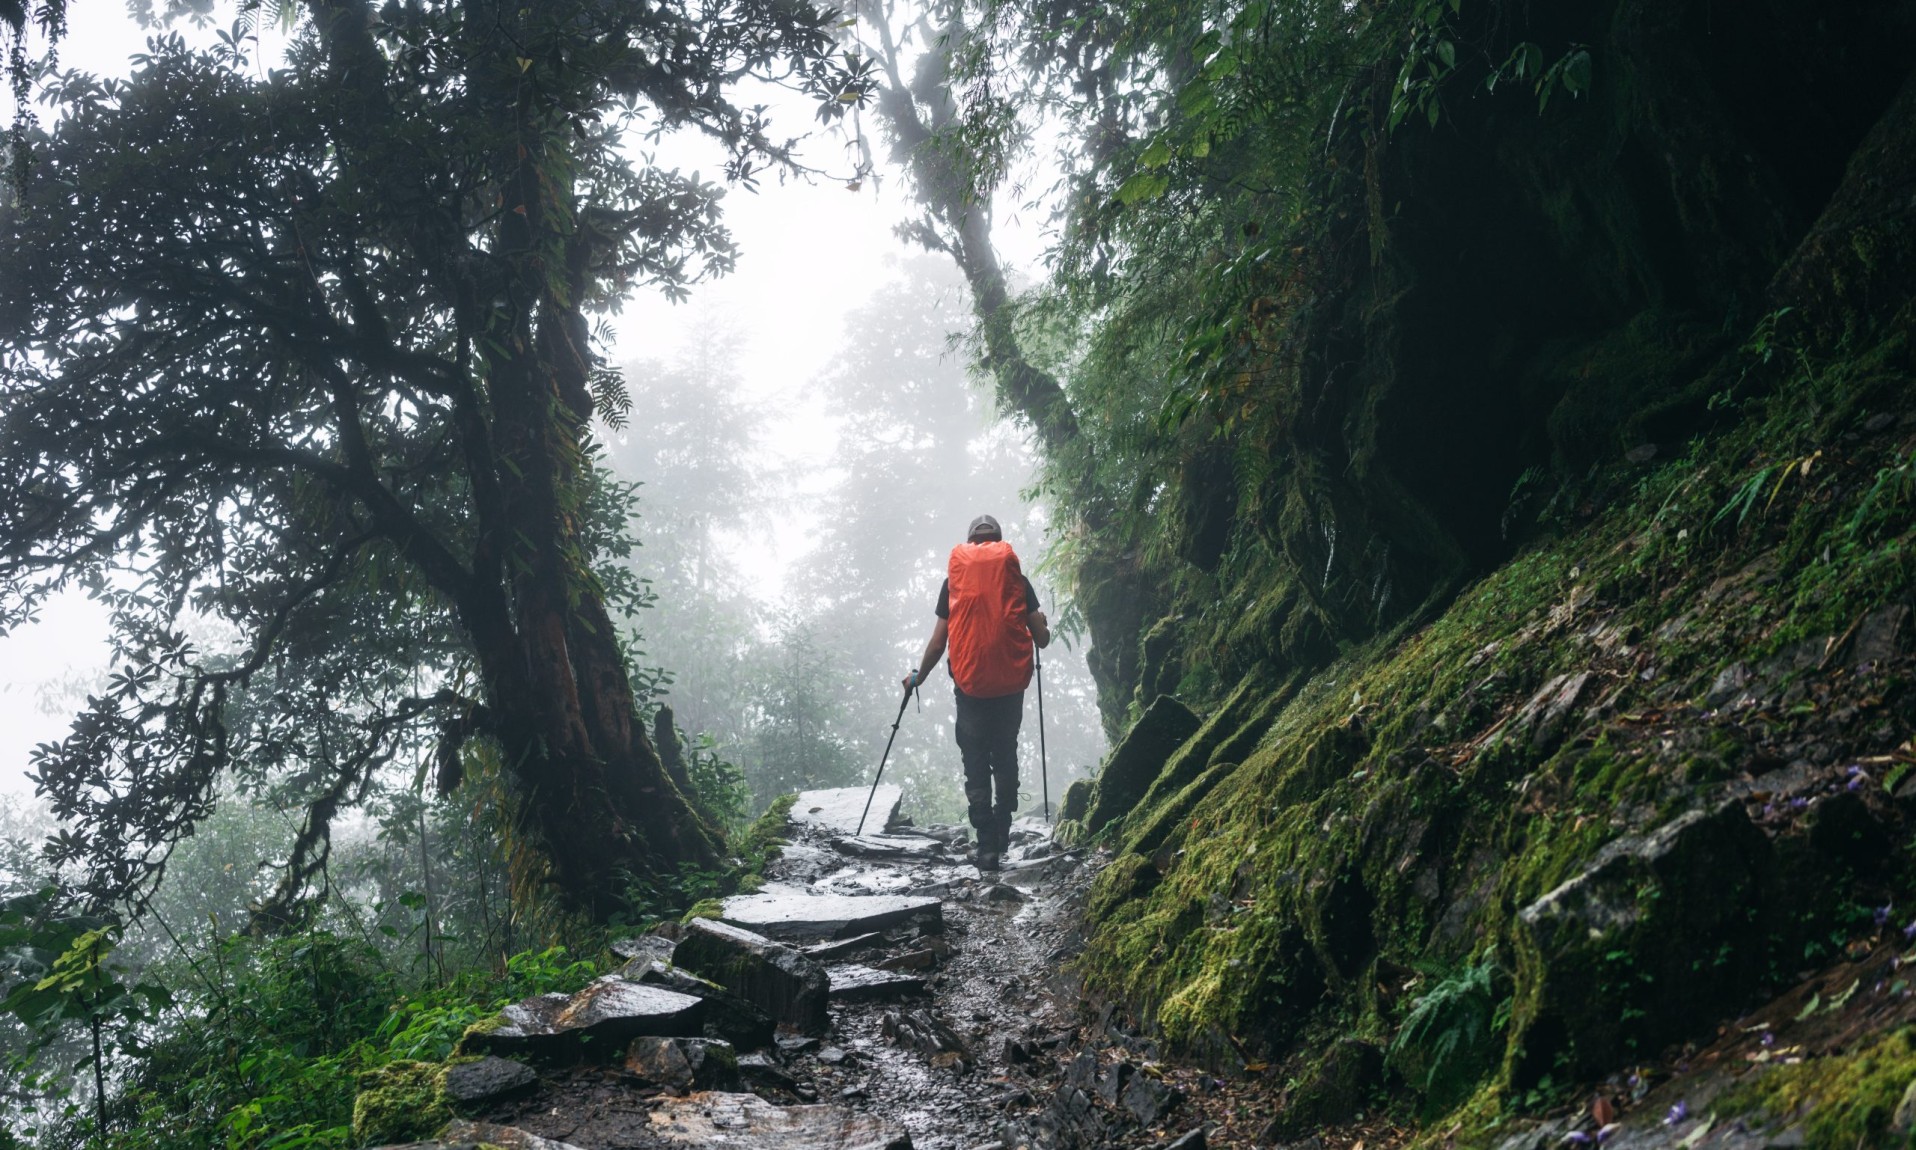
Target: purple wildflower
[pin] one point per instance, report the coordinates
(1769, 1039)
(1882, 914)
(1856, 782)
(1578, 1138)
(1909, 932)
(1799, 803)
(1608, 1132)
(1677, 1113)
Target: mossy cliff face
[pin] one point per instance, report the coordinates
(1640, 771)
(1469, 328)
(1607, 770)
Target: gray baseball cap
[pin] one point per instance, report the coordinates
(984, 525)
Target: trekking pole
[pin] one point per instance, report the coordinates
(1044, 774)
(909, 691)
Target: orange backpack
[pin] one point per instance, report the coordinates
(990, 642)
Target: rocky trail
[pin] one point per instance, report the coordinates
(880, 993)
(876, 993)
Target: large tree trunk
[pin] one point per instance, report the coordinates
(592, 806)
(592, 790)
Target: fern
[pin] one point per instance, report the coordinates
(1447, 1041)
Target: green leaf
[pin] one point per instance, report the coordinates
(1447, 52)
(1576, 72)
(1142, 186)
(1157, 155)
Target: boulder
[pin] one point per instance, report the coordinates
(790, 914)
(1660, 936)
(682, 1065)
(398, 1102)
(780, 981)
(611, 1010)
(855, 983)
(470, 1085)
(1136, 762)
(727, 1015)
(837, 811)
(1076, 802)
(747, 1122)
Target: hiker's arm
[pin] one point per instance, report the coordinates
(934, 651)
(1040, 628)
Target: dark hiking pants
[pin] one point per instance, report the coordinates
(988, 744)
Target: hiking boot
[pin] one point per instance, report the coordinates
(987, 860)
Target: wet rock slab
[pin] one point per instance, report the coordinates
(827, 951)
(789, 914)
(727, 1015)
(611, 1009)
(682, 1065)
(855, 983)
(772, 976)
(747, 1122)
(837, 811)
(472, 1084)
(888, 846)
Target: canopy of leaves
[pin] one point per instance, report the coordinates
(295, 376)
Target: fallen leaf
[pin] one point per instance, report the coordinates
(1603, 1110)
(1815, 1001)
(1696, 1136)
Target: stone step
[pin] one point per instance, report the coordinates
(836, 811)
(777, 979)
(789, 913)
(855, 983)
(901, 847)
(610, 1010)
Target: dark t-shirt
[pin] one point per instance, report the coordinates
(944, 599)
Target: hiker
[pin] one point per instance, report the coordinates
(989, 615)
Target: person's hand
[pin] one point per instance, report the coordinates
(1040, 628)
(912, 680)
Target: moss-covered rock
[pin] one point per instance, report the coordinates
(1658, 937)
(1131, 769)
(1129, 877)
(1193, 756)
(400, 1102)
(1077, 801)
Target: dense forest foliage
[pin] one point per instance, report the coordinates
(1485, 424)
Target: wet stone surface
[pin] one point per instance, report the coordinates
(791, 915)
(470, 1084)
(611, 1009)
(948, 1024)
(855, 983)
